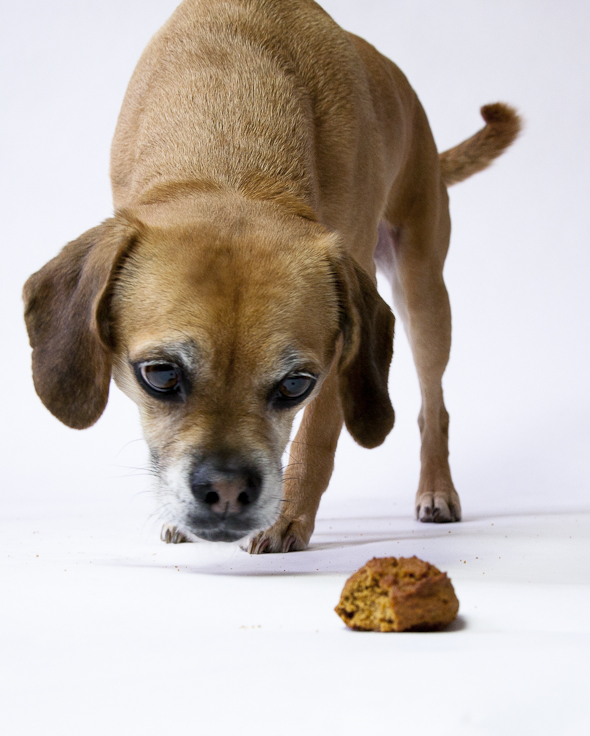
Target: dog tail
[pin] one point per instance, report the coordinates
(503, 124)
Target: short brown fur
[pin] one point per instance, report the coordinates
(264, 162)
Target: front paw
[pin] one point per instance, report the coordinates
(284, 536)
(439, 506)
(172, 535)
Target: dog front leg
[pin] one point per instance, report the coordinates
(307, 475)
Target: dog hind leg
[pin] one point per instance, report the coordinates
(412, 256)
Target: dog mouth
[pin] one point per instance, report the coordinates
(221, 498)
(215, 527)
(229, 530)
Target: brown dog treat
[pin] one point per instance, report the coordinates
(391, 594)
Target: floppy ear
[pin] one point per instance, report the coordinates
(66, 306)
(367, 327)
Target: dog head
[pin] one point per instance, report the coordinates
(220, 331)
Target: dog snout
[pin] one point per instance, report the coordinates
(225, 489)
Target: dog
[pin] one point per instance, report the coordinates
(264, 164)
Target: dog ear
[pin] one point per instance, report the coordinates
(367, 327)
(66, 313)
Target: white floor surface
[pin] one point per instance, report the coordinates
(117, 633)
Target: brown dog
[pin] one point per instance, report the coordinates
(264, 161)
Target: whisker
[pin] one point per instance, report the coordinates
(132, 475)
(142, 493)
(131, 442)
(142, 469)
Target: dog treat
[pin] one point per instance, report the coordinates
(391, 594)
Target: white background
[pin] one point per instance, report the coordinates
(136, 650)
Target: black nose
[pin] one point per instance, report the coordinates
(225, 488)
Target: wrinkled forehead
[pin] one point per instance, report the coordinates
(223, 299)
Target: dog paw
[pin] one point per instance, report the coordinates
(172, 535)
(438, 506)
(287, 536)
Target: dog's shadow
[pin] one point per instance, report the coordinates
(339, 546)
(341, 543)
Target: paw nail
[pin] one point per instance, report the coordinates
(261, 546)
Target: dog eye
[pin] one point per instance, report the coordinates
(292, 390)
(294, 386)
(162, 377)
